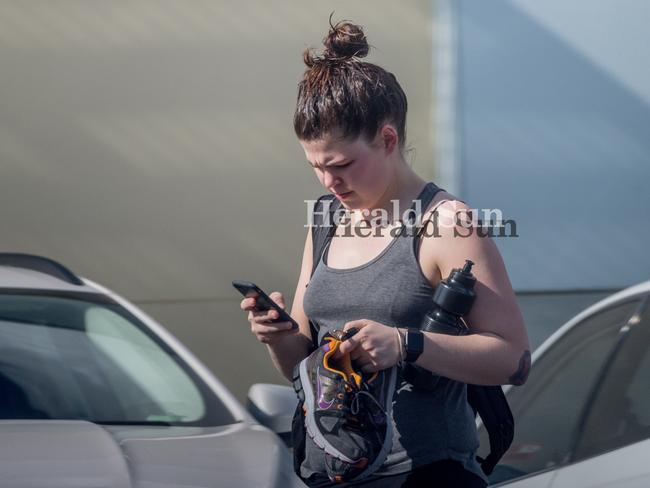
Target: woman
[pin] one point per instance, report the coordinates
(351, 122)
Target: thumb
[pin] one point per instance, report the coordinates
(277, 297)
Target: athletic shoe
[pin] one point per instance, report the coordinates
(373, 403)
(345, 415)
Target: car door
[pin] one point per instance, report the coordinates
(548, 408)
(614, 441)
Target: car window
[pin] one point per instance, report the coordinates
(548, 407)
(64, 358)
(620, 412)
(160, 379)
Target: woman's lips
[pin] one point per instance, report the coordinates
(343, 195)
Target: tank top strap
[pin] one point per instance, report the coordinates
(425, 197)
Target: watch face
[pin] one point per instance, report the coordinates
(414, 344)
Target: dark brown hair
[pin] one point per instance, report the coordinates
(338, 91)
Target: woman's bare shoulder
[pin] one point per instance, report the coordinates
(446, 207)
(443, 201)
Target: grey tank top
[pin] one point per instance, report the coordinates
(391, 289)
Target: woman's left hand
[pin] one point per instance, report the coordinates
(374, 347)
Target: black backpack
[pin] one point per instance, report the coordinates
(489, 402)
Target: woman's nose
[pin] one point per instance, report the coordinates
(330, 180)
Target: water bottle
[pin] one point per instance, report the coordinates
(452, 299)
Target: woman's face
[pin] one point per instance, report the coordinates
(356, 172)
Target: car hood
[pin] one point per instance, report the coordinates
(78, 454)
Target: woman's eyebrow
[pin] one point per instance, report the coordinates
(329, 163)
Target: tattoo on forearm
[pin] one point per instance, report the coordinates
(519, 377)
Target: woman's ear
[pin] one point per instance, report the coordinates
(388, 138)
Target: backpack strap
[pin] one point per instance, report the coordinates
(321, 234)
(490, 403)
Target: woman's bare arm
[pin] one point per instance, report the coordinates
(497, 351)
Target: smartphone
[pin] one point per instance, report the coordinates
(263, 301)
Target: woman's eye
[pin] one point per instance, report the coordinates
(344, 165)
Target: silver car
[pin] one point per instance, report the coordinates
(94, 393)
(583, 417)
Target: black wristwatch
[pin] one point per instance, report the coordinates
(413, 344)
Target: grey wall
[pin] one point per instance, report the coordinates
(149, 146)
(553, 103)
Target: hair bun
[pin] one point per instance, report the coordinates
(344, 41)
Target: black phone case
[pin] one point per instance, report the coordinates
(264, 302)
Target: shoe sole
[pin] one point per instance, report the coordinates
(321, 442)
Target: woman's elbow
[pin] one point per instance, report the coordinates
(520, 374)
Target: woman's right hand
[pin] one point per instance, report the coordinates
(264, 330)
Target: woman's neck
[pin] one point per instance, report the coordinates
(404, 188)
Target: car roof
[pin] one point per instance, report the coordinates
(34, 280)
(28, 271)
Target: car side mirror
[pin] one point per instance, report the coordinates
(272, 406)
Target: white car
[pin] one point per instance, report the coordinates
(94, 393)
(583, 417)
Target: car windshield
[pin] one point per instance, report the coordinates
(84, 357)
